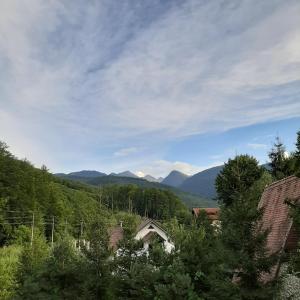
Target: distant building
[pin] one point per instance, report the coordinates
(283, 237)
(148, 231)
(213, 214)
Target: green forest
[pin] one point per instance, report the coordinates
(41, 216)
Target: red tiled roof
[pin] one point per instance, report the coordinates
(212, 213)
(276, 216)
(115, 234)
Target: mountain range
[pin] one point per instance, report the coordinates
(201, 184)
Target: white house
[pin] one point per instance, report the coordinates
(148, 231)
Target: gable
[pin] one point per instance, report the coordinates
(151, 226)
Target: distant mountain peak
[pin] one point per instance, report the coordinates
(202, 183)
(178, 172)
(127, 174)
(160, 179)
(87, 173)
(175, 178)
(150, 178)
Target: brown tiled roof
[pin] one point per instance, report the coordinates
(147, 221)
(115, 234)
(212, 213)
(276, 216)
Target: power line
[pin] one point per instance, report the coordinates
(13, 218)
(15, 223)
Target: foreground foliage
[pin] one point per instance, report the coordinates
(208, 262)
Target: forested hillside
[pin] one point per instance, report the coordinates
(190, 200)
(26, 190)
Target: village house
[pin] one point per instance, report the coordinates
(147, 231)
(213, 214)
(283, 237)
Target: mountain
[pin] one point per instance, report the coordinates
(160, 179)
(202, 183)
(175, 179)
(151, 178)
(87, 173)
(127, 174)
(189, 199)
(83, 176)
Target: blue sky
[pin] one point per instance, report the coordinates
(148, 85)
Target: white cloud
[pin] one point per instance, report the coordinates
(140, 174)
(125, 151)
(79, 77)
(257, 146)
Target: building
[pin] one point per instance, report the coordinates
(147, 231)
(213, 214)
(283, 237)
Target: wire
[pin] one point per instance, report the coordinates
(18, 211)
(15, 223)
(13, 218)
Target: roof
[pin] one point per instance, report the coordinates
(276, 216)
(115, 234)
(212, 213)
(146, 222)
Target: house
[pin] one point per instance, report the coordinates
(213, 214)
(147, 231)
(283, 237)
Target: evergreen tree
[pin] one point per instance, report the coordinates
(297, 156)
(279, 162)
(98, 272)
(297, 153)
(243, 239)
(236, 177)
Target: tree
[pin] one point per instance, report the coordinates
(9, 257)
(279, 162)
(197, 268)
(98, 282)
(236, 177)
(245, 241)
(297, 155)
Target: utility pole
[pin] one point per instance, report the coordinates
(81, 229)
(32, 230)
(81, 233)
(52, 232)
(66, 224)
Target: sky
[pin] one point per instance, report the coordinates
(148, 86)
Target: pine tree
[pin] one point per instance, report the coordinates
(244, 243)
(297, 153)
(297, 156)
(278, 160)
(236, 177)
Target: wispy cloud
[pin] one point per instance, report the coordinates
(88, 75)
(125, 151)
(256, 146)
